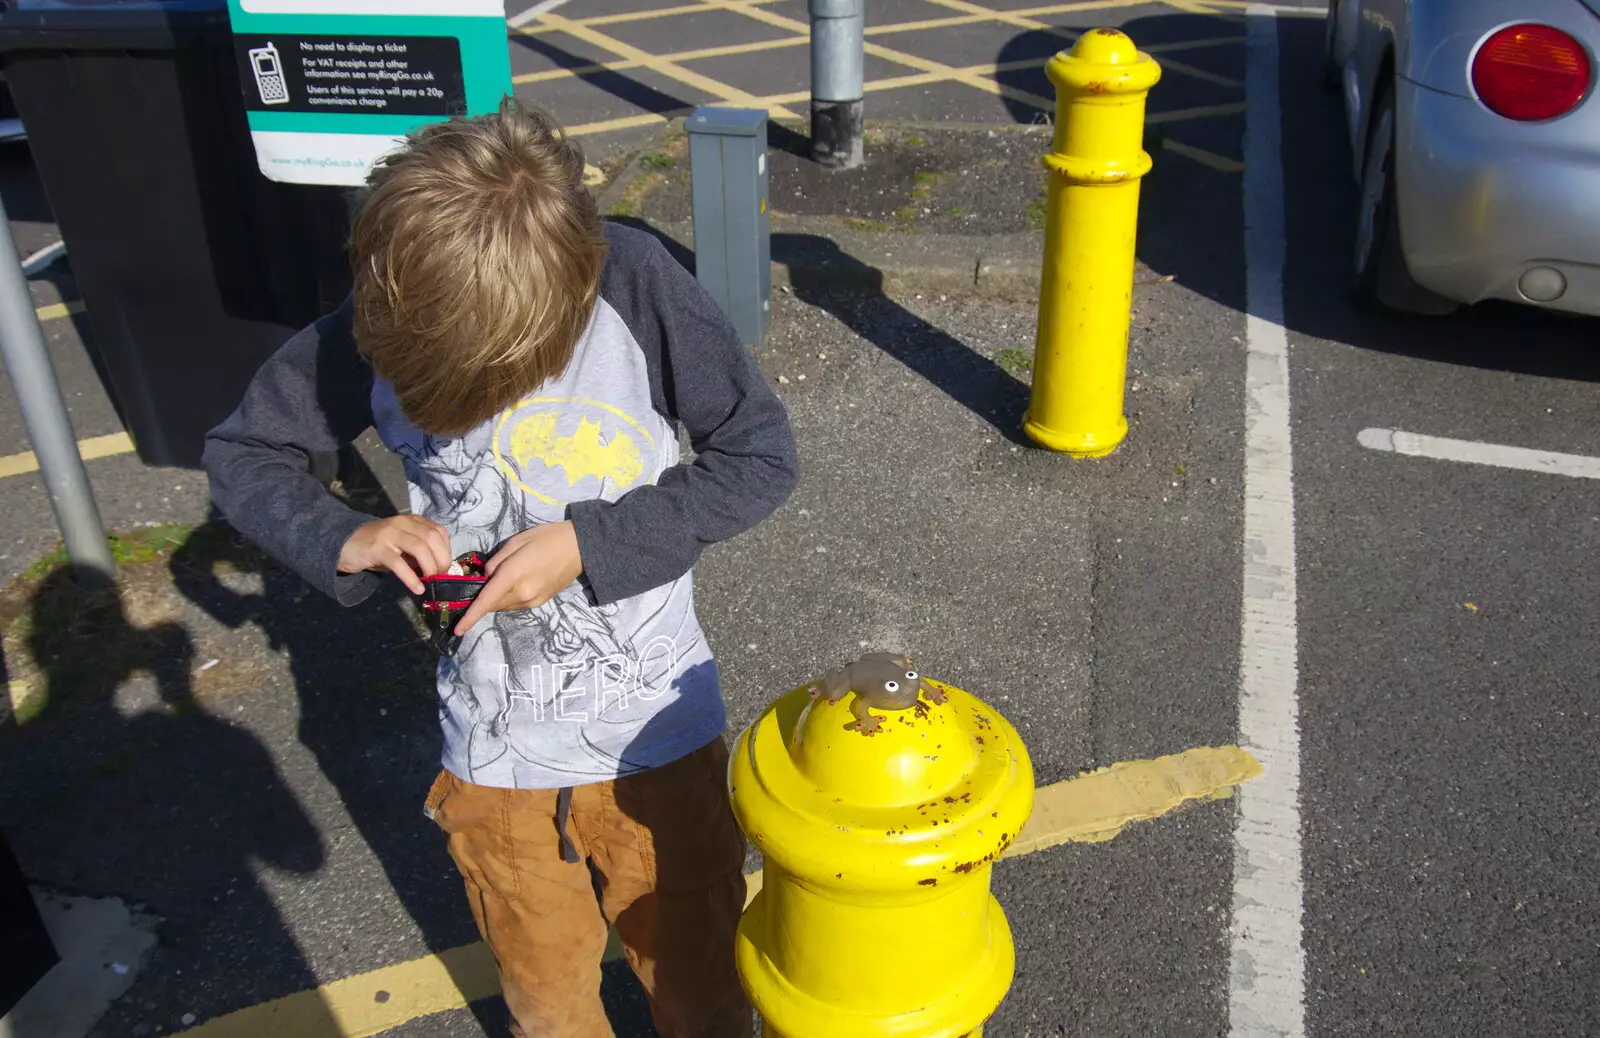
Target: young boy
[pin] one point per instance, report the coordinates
(531, 366)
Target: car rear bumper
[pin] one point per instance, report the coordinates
(1483, 200)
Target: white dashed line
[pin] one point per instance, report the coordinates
(1266, 972)
(1440, 448)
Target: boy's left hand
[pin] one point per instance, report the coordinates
(527, 571)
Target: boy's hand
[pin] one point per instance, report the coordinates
(409, 546)
(527, 571)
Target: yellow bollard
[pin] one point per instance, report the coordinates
(1086, 287)
(874, 917)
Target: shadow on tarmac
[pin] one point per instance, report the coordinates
(852, 292)
(170, 806)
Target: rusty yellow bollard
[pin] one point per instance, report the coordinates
(1086, 287)
(874, 917)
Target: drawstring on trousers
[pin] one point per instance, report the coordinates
(569, 853)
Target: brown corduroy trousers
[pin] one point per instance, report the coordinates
(666, 858)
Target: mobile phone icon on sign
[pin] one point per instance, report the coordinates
(269, 75)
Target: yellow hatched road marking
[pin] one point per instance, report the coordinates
(1220, 163)
(629, 16)
(685, 55)
(1023, 19)
(1182, 115)
(899, 57)
(737, 49)
(721, 91)
(1201, 44)
(930, 23)
(1090, 808)
(629, 122)
(1169, 65)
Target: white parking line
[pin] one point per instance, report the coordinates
(1418, 445)
(1266, 972)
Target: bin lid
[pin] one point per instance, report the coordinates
(727, 122)
(26, 24)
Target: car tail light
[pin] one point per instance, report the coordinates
(1531, 72)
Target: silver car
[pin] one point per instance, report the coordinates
(1477, 146)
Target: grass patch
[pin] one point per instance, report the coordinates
(1014, 362)
(914, 141)
(954, 210)
(923, 184)
(1036, 211)
(628, 204)
(145, 545)
(658, 162)
(861, 224)
(64, 639)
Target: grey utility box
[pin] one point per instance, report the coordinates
(732, 229)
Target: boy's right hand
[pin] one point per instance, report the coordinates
(409, 546)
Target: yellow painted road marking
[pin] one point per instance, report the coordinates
(720, 91)
(626, 122)
(1201, 44)
(56, 311)
(368, 1002)
(629, 122)
(683, 55)
(1090, 808)
(1098, 805)
(1183, 115)
(1220, 163)
(888, 53)
(89, 449)
(929, 23)
(1023, 20)
(1169, 65)
(628, 16)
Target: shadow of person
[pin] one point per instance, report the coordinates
(122, 783)
(367, 709)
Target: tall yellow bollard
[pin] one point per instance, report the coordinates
(874, 918)
(1086, 287)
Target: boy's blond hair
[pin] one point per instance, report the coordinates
(477, 260)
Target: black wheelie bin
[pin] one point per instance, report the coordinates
(193, 267)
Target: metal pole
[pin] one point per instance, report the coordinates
(44, 413)
(836, 82)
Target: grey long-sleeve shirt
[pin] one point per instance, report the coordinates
(613, 675)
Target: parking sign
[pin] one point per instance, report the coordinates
(330, 86)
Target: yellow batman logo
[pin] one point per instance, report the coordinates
(608, 444)
(579, 455)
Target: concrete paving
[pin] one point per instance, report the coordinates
(102, 946)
